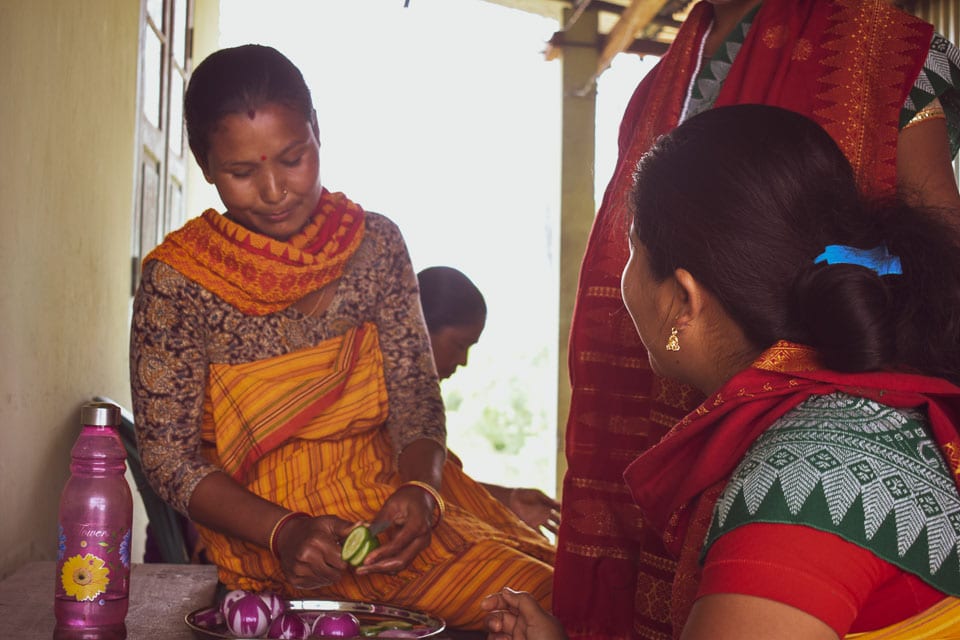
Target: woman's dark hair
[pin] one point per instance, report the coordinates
(746, 197)
(449, 299)
(240, 80)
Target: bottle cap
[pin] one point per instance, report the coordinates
(100, 414)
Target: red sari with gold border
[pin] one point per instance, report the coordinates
(849, 65)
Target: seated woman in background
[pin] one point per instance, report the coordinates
(814, 492)
(281, 374)
(455, 313)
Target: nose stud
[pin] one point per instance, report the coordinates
(284, 192)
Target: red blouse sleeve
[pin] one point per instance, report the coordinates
(845, 586)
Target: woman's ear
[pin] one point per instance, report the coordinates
(691, 298)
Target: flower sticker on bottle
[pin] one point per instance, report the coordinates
(125, 550)
(84, 577)
(61, 542)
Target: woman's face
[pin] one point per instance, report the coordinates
(451, 344)
(266, 167)
(645, 299)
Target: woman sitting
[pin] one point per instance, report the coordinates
(456, 313)
(814, 492)
(281, 373)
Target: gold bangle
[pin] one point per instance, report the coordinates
(284, 519)
(932, 110)
(441, 507)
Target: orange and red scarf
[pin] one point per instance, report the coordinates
(677, 482)
(848, 64)
(255, 273)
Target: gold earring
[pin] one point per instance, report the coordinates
(673, 342)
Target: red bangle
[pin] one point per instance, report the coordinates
(272, 540)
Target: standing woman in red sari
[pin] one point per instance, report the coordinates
(880, 82)
(814, 493)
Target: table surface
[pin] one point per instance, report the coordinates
(161, 595)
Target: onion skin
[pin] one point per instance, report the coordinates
(288, 626)
(208, 618)
(275, 604)
(248, 617)
(231, 596)
(337, 624)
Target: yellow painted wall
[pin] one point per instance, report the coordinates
(67, 150)
(67, 119)
(206, 40)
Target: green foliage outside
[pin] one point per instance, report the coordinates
(501, 420)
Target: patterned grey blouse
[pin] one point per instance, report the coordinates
(179, 329)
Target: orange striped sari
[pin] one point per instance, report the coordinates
(304, 430)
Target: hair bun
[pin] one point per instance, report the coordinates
(843, 310)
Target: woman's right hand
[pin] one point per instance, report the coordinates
(309, 550)
(516, 615)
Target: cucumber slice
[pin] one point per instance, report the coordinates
(396, 624)
(356, 539)
(357, 545)
(361, 554)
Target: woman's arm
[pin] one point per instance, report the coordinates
(416, 418)
(168, 375)
(731, 616)
(924, 168)
(308, 547)
(533, 506)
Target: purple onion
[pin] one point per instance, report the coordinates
(248, 617)
(231, 596)
(336, 624)
(289, 626)
(208, 618)
(275, 604)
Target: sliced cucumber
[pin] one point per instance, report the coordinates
(357, 545)
(396, 624)
(355, 540)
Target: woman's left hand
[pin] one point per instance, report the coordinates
(535, 508)
(410, 515)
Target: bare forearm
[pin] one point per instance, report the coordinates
(500, 493)
(422, 460)
(220, 503)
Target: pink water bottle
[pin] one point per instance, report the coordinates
(93, 547)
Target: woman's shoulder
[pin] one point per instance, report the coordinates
(870, 473)
(159, 280)
(159, 274)
(383, 242)
(378, 226)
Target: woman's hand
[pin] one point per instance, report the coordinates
(309, 550)
(410, 511)
(535, 508)
(516, 615)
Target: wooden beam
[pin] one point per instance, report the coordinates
(631, 22)
(640, 46)
(646, 47)
(578, 8)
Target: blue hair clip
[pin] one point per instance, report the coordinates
(877, 259)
